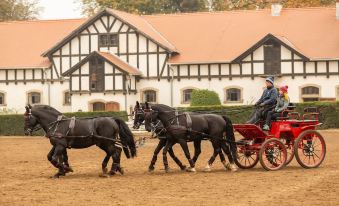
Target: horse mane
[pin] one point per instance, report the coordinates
(46, 108)
(162, 107)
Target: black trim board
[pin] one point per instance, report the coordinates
(261, 42)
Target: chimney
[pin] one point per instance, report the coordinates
(337, 9)
(276, 8)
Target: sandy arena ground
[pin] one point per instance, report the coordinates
(25, 179)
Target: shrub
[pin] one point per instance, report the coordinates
(13, 125)
(329, 112)
(204, 97)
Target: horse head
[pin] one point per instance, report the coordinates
(38, 117)
(31, 122)
(139, 116)
(151, 117)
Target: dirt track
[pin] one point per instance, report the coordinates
(25, 179)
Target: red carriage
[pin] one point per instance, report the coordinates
(289, 136)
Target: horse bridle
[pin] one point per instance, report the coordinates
(138, 123)
(29, 129)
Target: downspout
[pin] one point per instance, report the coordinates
(172, 78)
(127, 90)
(48, 88)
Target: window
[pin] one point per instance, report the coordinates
(34, 98)
(2, 98)
(150, 96)
(310, 94)
(186, 96)
(337, 92)
(96, 75)
(67, 98)
(98, 106)
(272, 58)
(233, 95)
(108, 40)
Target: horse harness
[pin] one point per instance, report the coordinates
(71, 126)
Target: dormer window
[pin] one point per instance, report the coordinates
(108, 40)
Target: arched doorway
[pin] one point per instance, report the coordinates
(98, 106)
(112, 106)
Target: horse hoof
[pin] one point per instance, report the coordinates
(121, 171)
(104, 170)
(111, 173)
(231, 167)
(207, 168)
(190, 169)
(183, 167)
(68, 169)
(167, 169)
(151, 168)
(104, 175)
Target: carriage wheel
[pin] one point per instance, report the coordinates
(289, 143)
(273, 154)
(310, 149)
(246, 159)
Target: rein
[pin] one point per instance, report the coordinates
(170, 128)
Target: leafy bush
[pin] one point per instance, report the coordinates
(204, 97)
(13, 125)
(329, 112)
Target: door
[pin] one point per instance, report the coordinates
(113, 106)
(272, 58)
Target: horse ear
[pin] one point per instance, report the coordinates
(137, 104)
(27, 109)
(146, 103)
(29, 106)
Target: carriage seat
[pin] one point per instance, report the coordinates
(289, 113)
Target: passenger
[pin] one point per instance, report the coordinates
(265, 103)
(282, 103)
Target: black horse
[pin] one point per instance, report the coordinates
(109, 134)
(203, 126)
(160, 131)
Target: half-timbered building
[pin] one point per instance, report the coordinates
(112, 59)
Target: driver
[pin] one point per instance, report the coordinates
(265, 103)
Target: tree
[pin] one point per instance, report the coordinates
(89, 7)
(220, 5)
(18, 10)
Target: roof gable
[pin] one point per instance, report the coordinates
(108, 57)
(281, 40)
(133, 21)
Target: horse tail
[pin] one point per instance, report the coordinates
(127, 139)
(230, 136)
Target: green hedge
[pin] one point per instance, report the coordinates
(13, 125)
(329, 112)
(204, 97)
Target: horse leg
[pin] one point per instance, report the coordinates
(160, 145)
(197, 150)
(50, 155)
(169, 144)
(58, 151)
(231, 166)
(184, 147)
(176, 160)
(105, 160)
(67, 167)
(216, 151)
(116, 155)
